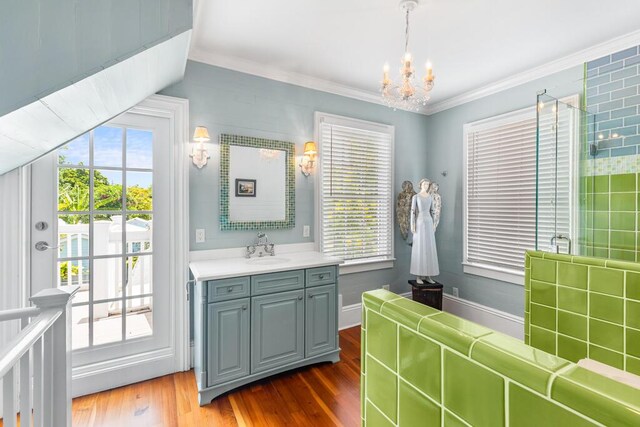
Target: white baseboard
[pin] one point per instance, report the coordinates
(486, 316)
(350, 316)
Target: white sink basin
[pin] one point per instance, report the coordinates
(268, 260)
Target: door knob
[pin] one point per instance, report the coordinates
(43, 246)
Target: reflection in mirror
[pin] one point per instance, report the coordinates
(257, 183)
(259, 177)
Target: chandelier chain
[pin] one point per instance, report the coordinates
(406, 33)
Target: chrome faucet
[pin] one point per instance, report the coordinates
(555, 247)
(262, 241)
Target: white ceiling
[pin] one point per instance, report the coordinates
(344, 43)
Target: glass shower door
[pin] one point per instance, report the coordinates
(562, 136)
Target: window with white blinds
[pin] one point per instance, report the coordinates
(500, 189)
(355, 188)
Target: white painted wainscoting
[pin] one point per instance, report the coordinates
(497, 320)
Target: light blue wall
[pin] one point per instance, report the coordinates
(231, 102)
(445, 136)
(46, 45)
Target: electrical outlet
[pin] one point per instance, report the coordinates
(306, 231)
(200, 235)
(385, 287)
(455, 293)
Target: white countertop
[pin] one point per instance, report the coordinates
(212, 269)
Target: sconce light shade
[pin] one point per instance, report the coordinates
(308, 160)
(310, 148)
(200, 154)
(201, 134)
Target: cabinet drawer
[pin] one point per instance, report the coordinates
(226, 289)
(277, 282)
(321, 276)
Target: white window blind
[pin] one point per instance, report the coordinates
(500, 188)
(356, 163)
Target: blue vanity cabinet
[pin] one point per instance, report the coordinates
(228, 340)
(277, 329)
(251, 327)
(320, 320)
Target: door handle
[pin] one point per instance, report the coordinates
(43, 246)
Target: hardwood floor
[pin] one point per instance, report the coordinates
(320, 395)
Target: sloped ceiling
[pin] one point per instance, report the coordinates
(67, 66)
(37, 128)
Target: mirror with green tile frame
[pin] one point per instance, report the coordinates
(257, 183)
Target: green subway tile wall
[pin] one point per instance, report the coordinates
(611, 222)
(422, 367)
(579, 307)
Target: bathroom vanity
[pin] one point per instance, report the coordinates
(257, 317)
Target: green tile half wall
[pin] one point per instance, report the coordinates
(580, 307)
(423, 367)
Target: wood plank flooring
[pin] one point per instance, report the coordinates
(321, 395)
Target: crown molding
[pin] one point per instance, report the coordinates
(260, 70)
(575, 59)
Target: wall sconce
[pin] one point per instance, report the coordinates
(200, 154)
(308, 159)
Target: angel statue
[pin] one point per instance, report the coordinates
(403, 210)
(424, 256)
(437, 204)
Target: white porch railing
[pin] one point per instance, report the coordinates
(107, 272)
(36, 364)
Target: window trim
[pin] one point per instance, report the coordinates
(354, 266)
(483, 270)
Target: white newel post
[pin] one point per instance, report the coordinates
(60, 363)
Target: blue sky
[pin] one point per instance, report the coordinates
(107, 151)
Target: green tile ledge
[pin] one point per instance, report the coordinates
(595, 262)
(501, 372)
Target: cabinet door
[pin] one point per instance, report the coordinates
(277, 330)
(227, 341)
(320, 320)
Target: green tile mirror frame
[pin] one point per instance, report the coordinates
(580, 307)
(268, 166)
(423, 367)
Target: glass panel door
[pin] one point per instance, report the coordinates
(105, 233)
(562, 133)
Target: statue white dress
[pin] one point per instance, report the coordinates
(424, 258)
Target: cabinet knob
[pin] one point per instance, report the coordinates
(310, 295)
(321, 276)
(244, 307)
(300, 297)
(230, 289)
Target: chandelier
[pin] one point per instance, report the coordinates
(406, 94)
